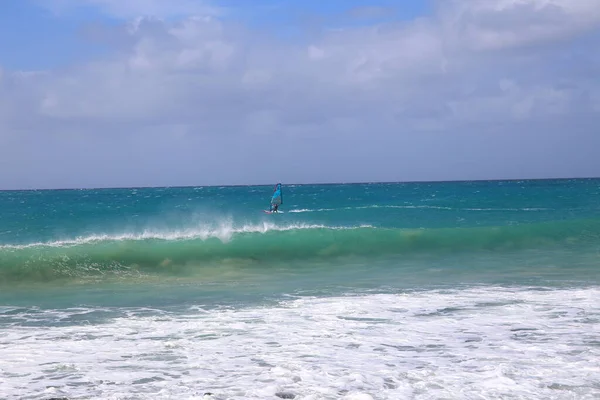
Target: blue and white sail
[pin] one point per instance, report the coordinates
(277, 198)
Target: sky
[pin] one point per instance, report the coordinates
(112, 93)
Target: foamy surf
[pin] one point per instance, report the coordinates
(474, 343)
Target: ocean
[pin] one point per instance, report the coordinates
(449, 290)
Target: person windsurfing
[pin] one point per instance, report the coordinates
(276, 199)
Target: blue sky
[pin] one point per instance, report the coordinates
(34, 37)
(98, 93)
(28, 26)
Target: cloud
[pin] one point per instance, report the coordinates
(370, 12)
(478, 90)
(498, 24)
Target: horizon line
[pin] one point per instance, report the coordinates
(304, 184)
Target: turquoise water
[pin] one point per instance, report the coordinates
(407, 290)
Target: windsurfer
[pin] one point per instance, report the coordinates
(276, 199)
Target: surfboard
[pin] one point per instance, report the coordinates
(272, 212)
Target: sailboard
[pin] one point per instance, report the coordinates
(276, 200)
(273, 212)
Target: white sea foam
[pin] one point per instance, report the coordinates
(489, 343)
(409, 207)
(306, 210)
(224, 232)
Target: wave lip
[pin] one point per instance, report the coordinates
(225, 233)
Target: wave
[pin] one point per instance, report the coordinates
(305, 210)
(170, 252)
(375, 206)
(224, 232)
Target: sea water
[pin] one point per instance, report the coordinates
(456, 290)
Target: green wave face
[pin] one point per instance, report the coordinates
(185, 254)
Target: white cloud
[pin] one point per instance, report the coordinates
(394, 101)
(497, 24)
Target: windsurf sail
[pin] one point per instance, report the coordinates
(277, 198)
